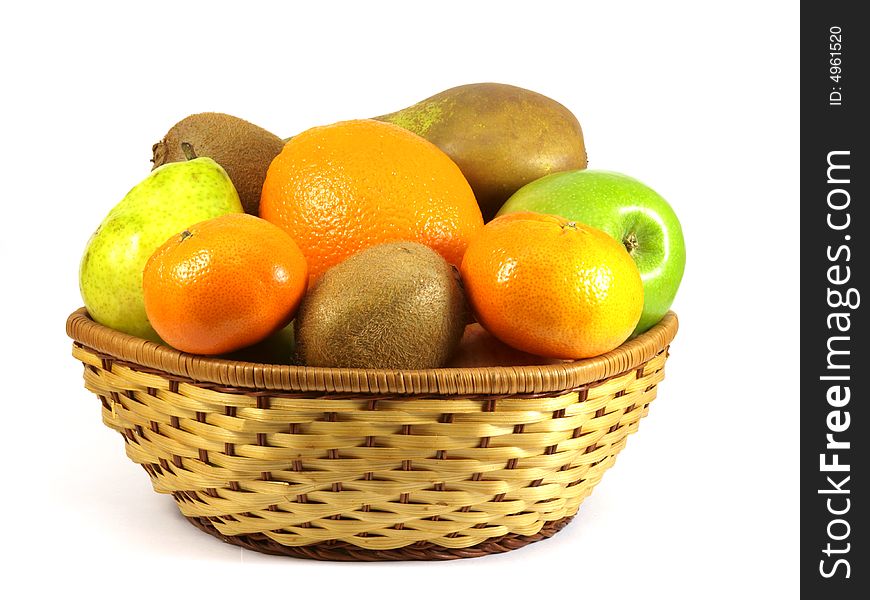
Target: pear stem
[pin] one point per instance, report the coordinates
(187, 148)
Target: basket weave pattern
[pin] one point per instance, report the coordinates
(349, 473)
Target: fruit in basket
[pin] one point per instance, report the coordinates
(392, 306)
(224, 284)
(171, 198)
(501, 136)
(630, 212)
(243, 149)
(346, 187)
(479, 348)
(552, 287)
(277, 349)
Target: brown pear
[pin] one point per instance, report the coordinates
(501, 136)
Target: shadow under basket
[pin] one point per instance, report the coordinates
(371, 464)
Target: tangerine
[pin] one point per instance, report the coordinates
(342, 188)
(223, 284)
(552, 287)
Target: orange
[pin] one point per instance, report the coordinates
(223, 284)
(552, 287)
(345, 187)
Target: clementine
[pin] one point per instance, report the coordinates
(341, 188)
(223, 284)
(552, 287)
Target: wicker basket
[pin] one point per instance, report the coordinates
(345, 464)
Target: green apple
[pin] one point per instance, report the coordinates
(172, 198)
(627, 210)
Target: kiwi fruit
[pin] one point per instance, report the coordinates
(398, 305)
(243, 149)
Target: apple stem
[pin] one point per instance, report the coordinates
(187, 148)
(630, 242)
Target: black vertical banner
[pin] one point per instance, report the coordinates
(834, 338)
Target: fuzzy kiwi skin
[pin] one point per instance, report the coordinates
(243, 149)
(394, 306)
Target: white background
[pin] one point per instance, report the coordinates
(700, 103)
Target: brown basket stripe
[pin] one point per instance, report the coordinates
(485, 380)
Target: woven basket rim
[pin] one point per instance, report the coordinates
(449, 381)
